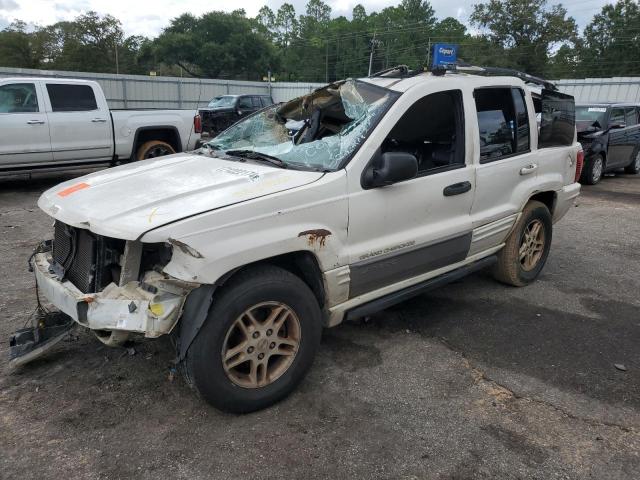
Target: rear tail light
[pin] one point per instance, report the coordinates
(579, 164)
(197, 124)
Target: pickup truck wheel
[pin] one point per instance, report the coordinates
(153, 149)
(593, 171)
(258, 341)
(634, 168)
(527, 247)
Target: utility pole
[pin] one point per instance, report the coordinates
(373, 46)
(326, 62)
(117, 66)
(429, 55)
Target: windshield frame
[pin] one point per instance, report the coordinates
(393, 97)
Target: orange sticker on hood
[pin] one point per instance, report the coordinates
(72, 189)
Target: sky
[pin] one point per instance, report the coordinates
(148, 17)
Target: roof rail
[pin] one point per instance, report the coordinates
(403, 72)
(493, 72)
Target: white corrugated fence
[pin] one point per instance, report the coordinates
(139, 91)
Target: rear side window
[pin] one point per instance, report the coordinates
(245, 102)
(631, 116)
(71, 98)
(256, 102)
(557, 119)
(266, 101)
(496, 122)
(18, 98)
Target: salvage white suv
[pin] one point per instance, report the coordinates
(329, 207)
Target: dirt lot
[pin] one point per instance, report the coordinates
(476, 380)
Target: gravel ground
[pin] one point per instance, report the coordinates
(475, 380)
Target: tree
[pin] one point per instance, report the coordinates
(359, 14)
(267, 21)
(21, 49)
(318, 12)
(216, 44)
(612, 41)
(528, 30)
(286, 24)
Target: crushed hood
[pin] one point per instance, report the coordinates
(127, 201)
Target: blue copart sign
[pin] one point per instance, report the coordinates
(444, 54)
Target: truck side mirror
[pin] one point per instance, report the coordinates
(389, 168)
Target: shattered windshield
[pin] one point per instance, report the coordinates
(222, 102)
(319, 131)
(591, 114)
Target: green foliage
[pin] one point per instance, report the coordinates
(535, 36)
(217, 44)
(528, 30)
(612, 41)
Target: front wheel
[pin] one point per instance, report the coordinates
(527, 247)
(258, 341)
(593, 171)
(634, 167)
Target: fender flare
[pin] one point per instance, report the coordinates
(194, 314)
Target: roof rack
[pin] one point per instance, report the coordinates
(403, 71)
(492, 72)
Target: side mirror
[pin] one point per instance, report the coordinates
(389, 168)
(613, 126)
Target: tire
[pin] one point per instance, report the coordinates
(153, 149)
(510, 268)
(261, 290)
(634, 167)
(593, 171)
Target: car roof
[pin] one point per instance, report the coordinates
(607, 104)
(47, 79)
(448, 80)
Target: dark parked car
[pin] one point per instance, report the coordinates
(610, 136)
(225, 110)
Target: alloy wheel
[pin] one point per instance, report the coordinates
(532, 245)
(261, 344)
(597, 170)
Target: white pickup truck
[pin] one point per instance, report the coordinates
(325, 208)
(57, 123)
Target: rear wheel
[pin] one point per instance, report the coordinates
(593, 171)
(527, 247)
(634, 167)
(258, 341)
(153, 149)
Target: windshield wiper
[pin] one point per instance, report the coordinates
(253, 155)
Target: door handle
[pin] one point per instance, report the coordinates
(528, 169)
(99, 120)
(456, 189)
(35, 122)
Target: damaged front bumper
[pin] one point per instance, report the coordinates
(151, 307)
